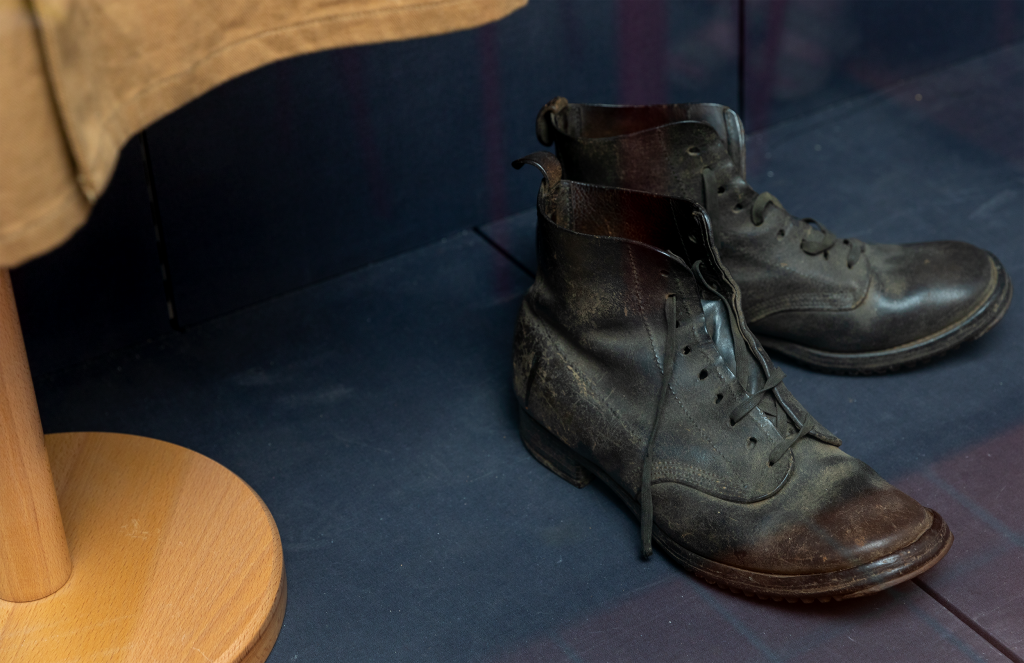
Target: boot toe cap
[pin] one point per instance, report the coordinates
(923, 289)
(917, 292)
(843, 534)
(834, 514)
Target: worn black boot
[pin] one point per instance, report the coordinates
(633, 364)
(833, 304)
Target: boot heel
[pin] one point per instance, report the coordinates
(551, 452)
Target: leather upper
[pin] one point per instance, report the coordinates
(589, 356)
(889, 296)
(901, 305)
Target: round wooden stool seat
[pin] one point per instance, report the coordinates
(173, 559)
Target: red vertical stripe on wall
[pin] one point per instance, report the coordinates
(762, 66)
(495, 160)
(1006, 20)
(350, 65)
(497, 163)
(643, 41)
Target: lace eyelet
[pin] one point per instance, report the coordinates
(738, 207)
(686, 349)
(665, 272)
(718, 398)
(703, 374)
(693, 150)
(780, 234)
(721, 189)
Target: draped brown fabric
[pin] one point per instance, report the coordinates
(78, 78)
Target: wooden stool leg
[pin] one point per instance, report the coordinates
(177, 560)
(34, 559)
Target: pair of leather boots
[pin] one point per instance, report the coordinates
(634, 362)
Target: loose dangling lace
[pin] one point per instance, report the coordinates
(818, 239)
(744, 406)
(646, 502)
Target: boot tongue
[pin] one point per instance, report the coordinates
(716, 321)
(724, 329)
(729, 127)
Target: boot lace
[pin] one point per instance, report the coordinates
(775, 407)
(817, 239)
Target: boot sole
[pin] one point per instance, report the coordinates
(909, 355)
(869, 578)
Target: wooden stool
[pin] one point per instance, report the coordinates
(123, 548)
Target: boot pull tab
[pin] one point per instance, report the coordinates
(546, 163)
(546, 120)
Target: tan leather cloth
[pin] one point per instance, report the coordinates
(78, 78)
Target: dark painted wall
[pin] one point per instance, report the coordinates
(803, 55)
(103, 289)
(316, 166)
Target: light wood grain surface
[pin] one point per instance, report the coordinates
(34, 558)
(174, 559)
